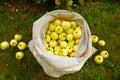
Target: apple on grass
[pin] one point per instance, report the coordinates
(18, 37)
(4, 45)
(101, 42)
(104, 54)
(19, 55)
(54, 35)
(13, 42)
(69, 37)
(98, 59)
(94, 38)
(22, 45)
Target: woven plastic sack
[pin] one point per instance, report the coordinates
(56, 66)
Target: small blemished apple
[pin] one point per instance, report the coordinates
(18, 37)
(94, 38)
(62, 36)
(65, 25)
(13, 42)
(69, 37)
(19, 55)
(22, 45)
(101, 42)
(77, 33)
(57, 22)
(4, 45)
(58, 30)
(63, 44)
(54, 35)
(51, 27)
(98, 59)
(73, 24)
(104, 54)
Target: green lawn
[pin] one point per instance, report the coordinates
(103, 20)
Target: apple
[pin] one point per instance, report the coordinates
(17, 10)
(48, 32)
(98, 59)
(49, 49)
(72, 54)
(69, 37)
(79, 28)
(71, 43)
(46, 45)
(52, 43)
(77, 34)
(47, 38)
(63, 52)
(22, 45)
(70, 31)
(13, 42)
(73, 24)
(69, 3)
(62, 36)
(19, 55)
(4, 45)
(69, 49)
(18, 37)
(65, 25)
(75, 47)
(104, 54)
(77, 41)
(57, 22)
(51, 27)
(54, 35)
(57, 48)
(101, 42)
(94, 38)
(58, 30)
(63, 44)
(57, 2)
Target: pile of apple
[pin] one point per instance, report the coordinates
(103, 54)
(62, 37)
(16, 41)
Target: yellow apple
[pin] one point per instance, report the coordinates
(98, 59)
(94, 38)
(13, 42)
(77, 34)
(62, 36)
(73, 24)
(63, 52)
(63, 44)
(65, 25)
(71, 43)
(70, 31)
(69, 37)
(51, 27)
(47, 38)
(52, 43)
(54, 35)
(49, 49)
(58, 30)
(22, 45)
(75, 48)
(104, 54)
(19, 55)
(72, 54)
(101, 42)
(77, 41)
(57, 48)
(57, 22)
(69, 49)
(18, 37)
(4, 45)
(48, 32)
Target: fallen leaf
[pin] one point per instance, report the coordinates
(24, 17)
(12, 9)
(23, 64)
(11, 18)
(117, 16)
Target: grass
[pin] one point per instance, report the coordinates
(102, 21)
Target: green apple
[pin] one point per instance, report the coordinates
(72, 54)
(77, 41)
(94, 38)
(51, 27)
(65, 25)
(75, 47)
(101, 42)
(4, 45)
(73, 24)
(77, 34)
(62, 36)
(70, 31)
(71, 43)
(52, 43)
(63, 52)
(22, 45)
(19, 55)
(98, 59)
(54, 35)
(57, 22)
(13, 42)
(18, 37)
(47, 38)
(63, 44)
(58, 30)
(69, 37)
(69, 49)
(104, 54)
